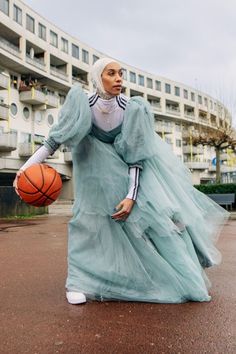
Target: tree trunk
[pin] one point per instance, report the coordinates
(218, 174)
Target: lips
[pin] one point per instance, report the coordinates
(117, 86)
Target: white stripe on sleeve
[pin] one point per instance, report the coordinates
(134, 183)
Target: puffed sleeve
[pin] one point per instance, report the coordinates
(136, 142)
(74, 120)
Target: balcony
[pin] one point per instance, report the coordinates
(38, 63)
(32, 96)
(156, 108)
(4, 80)
(163, 128)
(25, 149)
(9, 47)
(4, 111)
(59, 73)
(173, 110)
(197, 165)
(188, 149)
(67, 156)
(52, 101)
(8, 142)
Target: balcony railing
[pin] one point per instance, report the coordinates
(67, 156)
(8, 142)
(189, 115)
(78, 80)
(163, 128)
(52, 101)
(33, 96)
(4, 111)
(197, 165)
(25, 149)
(173, 110)
(9, 47)
(156, 107)
(188, 149)
(39, 63)
(59, 73)
(4, 80)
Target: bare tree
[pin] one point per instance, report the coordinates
(220, 139)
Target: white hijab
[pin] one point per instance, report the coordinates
(96, 76)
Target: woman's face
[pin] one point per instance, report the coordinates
(112, 78)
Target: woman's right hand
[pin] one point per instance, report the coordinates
(15, 182)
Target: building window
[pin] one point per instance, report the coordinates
(85, 56)
(167, 88)
(75, 51)
(38, 117)
(177, 91)
(17, 15)
(211, 103)
(30, 23)
(25, 137)
(158, 85)
(132, 77)
(149, 83)
(199, 99)
(42, 32)
(168, 140)
(4, 6)
(64, 45)
(13, 109)
(141, 80)
(26, 113)
(53, 39)
(177, 127)
(192, 96)
(178, 143)
(50, 120)
(95, 58)
(186, 94)
(124, 75)
(62, 99)
(205, 101)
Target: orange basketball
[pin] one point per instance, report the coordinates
(39, 185)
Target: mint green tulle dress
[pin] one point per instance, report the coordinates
(159, 253)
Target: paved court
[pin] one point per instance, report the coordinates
(35, 317)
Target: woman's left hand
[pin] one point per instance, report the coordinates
(124, 209)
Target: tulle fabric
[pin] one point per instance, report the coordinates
(159, 253)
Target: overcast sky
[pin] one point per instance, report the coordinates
(190, 41)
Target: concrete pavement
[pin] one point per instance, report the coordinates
(35, 317)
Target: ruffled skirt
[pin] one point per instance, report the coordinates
(159, 253)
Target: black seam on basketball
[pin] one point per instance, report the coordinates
(38, 190)
(54, 192)
(54, 177)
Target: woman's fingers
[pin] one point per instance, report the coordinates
(15, 182)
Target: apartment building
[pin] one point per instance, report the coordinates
(39, 62)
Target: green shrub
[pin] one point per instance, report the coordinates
(216, 188)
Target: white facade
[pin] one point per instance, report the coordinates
(36, 73)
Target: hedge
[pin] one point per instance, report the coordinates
(216, 188)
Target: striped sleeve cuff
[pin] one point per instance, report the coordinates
(51, 145)
(134, 183)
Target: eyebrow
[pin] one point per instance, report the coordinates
(115, 70)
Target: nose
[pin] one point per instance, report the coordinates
(118, 78)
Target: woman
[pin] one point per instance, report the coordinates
(156, 242)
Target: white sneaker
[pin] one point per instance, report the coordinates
(75, 298)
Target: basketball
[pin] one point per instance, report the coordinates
(39, 185)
